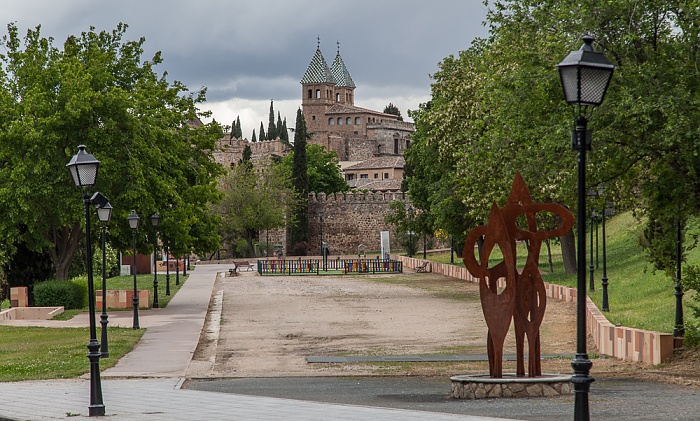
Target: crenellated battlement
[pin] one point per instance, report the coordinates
(355, 197)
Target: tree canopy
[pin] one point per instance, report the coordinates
(323, 170)
(253, 199)
(497, 108)
(98, 91)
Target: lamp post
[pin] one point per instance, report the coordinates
(607, 211)
(410, 233)
(83, 168)
(323, 248)
(184, 264)
(104, 214)
(155, 220)
(679, 328)
(134, 224)
(177, 269)
(585, 76)
(591, 283)
(167, 271)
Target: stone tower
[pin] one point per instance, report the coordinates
(318, 90)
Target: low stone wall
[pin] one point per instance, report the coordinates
(625, 343)
(30, 313)
(124, 298)
(484, 387)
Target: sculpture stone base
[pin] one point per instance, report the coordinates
(510, 386)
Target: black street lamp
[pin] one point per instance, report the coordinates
(104, 214)
(679, 328)
(591, 283)
(184, 264)
(323, 247)
(177, 269)
(83, 168)
(167, 271)
(155, 220)
(424, 247)
(134, 224)
(410, 232)
(607, 211)
(585, 76)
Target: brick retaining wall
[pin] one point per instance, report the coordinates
(625, 343)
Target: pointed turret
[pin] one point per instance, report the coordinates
(344, 85)
(318, 70)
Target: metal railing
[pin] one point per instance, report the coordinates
(332, 266)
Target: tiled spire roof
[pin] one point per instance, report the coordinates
(318, 71)
(341, 74)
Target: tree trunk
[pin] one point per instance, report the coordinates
(66, 241)
(549, 255)
(568, 252)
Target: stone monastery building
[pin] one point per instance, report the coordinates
(356, 134)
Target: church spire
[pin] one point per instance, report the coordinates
(318, 70)
(340, 72)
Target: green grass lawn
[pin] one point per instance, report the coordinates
(638, 296)
(38, 353)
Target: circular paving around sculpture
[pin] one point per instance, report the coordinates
(509, 386)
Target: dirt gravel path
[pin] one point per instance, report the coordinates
(270, 324)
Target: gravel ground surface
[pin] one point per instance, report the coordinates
(261, 329)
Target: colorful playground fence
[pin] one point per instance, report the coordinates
(318, 266)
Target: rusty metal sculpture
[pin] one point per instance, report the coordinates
(523, 296)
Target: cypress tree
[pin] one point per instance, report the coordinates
(239, 130)
(271, 128)
(262, 132)
(233, 130)
(284, 133)
(253, 139)
(246, 160)
(278, 129)
(300, 183)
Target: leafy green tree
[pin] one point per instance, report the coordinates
(271, 127)
(300, 184)
(253, 200)
(393, 109)
(98, 91)
(262, 133)
(323, 169)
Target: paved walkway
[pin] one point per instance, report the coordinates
(145, 384)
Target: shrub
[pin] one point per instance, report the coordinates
(300, 249)
(68, 294)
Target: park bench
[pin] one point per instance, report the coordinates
(422, 268)
(247, 265)
(233, 270)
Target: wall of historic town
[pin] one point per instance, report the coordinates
(349, 220)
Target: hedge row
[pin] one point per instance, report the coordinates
(70, 295)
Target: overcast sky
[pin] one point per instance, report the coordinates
(247, 52)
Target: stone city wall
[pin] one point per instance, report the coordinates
(349, 220)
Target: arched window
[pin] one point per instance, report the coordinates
(318, 94)
(337, 97)
(340, 120)
(358, 120)
(348, 120)
(331, 121)
(310, 94)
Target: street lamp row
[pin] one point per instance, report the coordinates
(84, 168)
